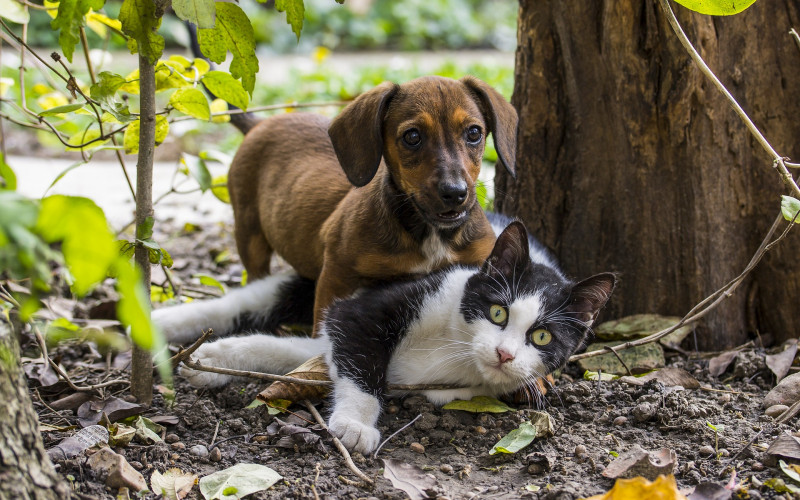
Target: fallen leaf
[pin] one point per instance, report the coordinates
(515, 440)
(670, 377)
(294, 434)
(313, 369)
(165, 420)
(710, 491)
(663, 488)
(41, 372)
(605, 377)
(174, 484)
(781, 362)
(414, 481)
(478, 404)
(785, 445)
(640, 462)
(115, 409)
(793, 471)
(71, 402)
(147, 431)
(639, 359)
(642, 325)
(718, 364)
(543, 423)
(780, 486)
(120, 434)
(82, 440)
(238, 481)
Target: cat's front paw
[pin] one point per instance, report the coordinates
(207, 355)
(355, 435)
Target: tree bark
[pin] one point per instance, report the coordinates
(25, 469)
(630, 161)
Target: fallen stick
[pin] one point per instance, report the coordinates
(347, 459)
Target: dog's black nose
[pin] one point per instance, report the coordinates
(453, 193)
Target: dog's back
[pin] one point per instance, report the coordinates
(285, 165)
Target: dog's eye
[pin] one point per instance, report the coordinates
(412, 137)
(474, 134)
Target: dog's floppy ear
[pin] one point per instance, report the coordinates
(357, 133)
(502, 119)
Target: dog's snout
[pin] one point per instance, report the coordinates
(453, 193)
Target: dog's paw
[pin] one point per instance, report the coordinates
(207, 355)
(355, 435)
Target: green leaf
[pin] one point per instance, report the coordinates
(69, 19)
(233, 32)
(61, 109)
(139, 21)
(105, 92)
(169, 75)
(479, 404)
(130, 140)
(717, 7)
(219, 188)
(87, 243)
(85, 139)
(224, 86)
(246, 479)
(789, 208)
(515, 440)
(191, 101)
(294, 14)
(592, 375)
(147, 431)
(8, 179)
(793, 471)
(198, 12)
(14, 12)
(198, 170)
(210, 281)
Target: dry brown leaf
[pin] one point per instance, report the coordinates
(718, 364)
(781, 362)
(174, 484)
(414, 481)
(785, 445)
(663, 488)
(640, 462)
(313, 369)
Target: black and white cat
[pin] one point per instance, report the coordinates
(489, 330)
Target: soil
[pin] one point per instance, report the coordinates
(594, 421)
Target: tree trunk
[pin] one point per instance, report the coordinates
(25, 469)
(630, 161)
(142, 359)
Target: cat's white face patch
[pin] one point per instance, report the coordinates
(490, 340)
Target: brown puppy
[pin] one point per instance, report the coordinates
(386, 189)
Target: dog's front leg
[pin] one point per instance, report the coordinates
(335, 282)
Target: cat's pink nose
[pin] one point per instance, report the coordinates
(503, 355)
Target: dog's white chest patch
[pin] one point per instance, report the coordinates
(436, 254)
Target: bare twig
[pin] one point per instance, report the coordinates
(398, 431)
(789, 413)
(214, 437)
(184, 354)
(269, 107)
(348, 460)
(61, 373)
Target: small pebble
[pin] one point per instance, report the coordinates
(580, 450)
(757, 466)
(172, 438)
(446, 468)
(706, 450)
(725, 398)
(392, 409)
(480, 430)
(199, 450)
(215, 455)
(492, 488)
(417, 448)
(137, 465)
(724, 452)
(535, 469)
(261, 438)
(174, 456)
(620, 421)
(776, 411)
(178, 446)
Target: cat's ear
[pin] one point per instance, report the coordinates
(590, 295)
(510, 255)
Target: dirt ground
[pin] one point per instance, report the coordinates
(594, 422)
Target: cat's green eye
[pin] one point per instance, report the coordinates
(498, 314)
(540, 336)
